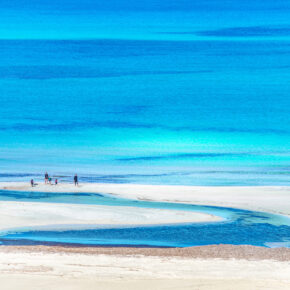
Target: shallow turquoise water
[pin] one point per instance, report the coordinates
(239, 227)
(156, 92)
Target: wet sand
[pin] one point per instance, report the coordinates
(201, 252)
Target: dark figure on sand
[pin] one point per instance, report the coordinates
(55, 181)
(76, 180)
(32, 182)
(46, 178)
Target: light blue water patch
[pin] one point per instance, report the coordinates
(240, 227)
(112, 107)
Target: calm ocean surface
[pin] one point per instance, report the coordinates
(159, 92)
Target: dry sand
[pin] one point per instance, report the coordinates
(45, 268)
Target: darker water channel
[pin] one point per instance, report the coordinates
(239, 227)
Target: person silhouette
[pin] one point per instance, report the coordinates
(46, 178)
(76, 182)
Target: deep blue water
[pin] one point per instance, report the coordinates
(159, 92)
(239, 226)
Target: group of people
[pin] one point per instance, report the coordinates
(48, 180)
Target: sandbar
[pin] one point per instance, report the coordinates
(273, 199)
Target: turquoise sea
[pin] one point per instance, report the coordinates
(155, 92)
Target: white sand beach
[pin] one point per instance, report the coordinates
(34, 268)
(212, 267)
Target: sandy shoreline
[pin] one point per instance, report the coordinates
(217, 267)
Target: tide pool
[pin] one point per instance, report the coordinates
(240, 227)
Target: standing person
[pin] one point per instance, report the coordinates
(49, 180)
(32, 182)
(55, 181)
(76, 180)
(46, 178)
